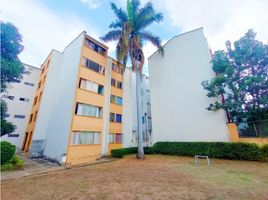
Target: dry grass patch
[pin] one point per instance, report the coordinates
(156, 177)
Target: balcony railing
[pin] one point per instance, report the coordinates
(254, 129)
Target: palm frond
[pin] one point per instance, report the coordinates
(119, 12)
(146, 19)
(112, 35)
(155, 40)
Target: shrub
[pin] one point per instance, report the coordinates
(15, 163)
(7, 151)
(264, 150)
(224, 150)
(119, 153)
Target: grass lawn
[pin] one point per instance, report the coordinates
(156, 177)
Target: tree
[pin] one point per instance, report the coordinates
(11, 67)
(6, 127)
(130, 30)
(242, 79)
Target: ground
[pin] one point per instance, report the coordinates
(156, 177)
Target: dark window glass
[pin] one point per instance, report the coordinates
(118, 118)
(119, 84)
(112, 117)
(19, 116)
(113, 82)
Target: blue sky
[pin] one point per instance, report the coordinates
(53, 24)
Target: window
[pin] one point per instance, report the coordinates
(111, 138)
(118, 118)
(119, 100)
(88, 110)
(112, 117)
(30, 84)
(93, 66)
(113, 82)
(35, 116)
(91, 86)
(27, 72)
(119, 85)
(85, 137)
(92, 45)
(35, 100)
(8, 97)
(19, 116)
(118, 138)
(44, 79)
(113, 99)
(143, 120)
(24, 99)
(31, 118)
(43, 70)
(117, 69)
(41, 93)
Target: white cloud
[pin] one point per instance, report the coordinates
(41, 28)
(222, 20)
(93, 4)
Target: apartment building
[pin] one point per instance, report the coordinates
(178, 99)
(130, 110)
(19, 99)
(78, 110)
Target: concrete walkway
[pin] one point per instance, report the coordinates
(31, 167)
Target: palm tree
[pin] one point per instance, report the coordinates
(130, 30)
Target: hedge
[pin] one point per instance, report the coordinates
(119, 153)
(14, 164)
(222, 150)
(7, 151)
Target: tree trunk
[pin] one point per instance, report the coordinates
(140, 153)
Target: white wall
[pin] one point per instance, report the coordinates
(55, 114)
(17, 107)
(178, 99)
(130, 107)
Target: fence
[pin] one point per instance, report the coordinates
(254, 129)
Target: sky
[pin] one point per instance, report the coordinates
(53, 24)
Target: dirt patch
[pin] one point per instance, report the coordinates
(156, 177)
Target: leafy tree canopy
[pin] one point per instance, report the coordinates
(241, 78)
(11, 67)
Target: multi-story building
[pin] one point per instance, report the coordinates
(78, 110)
(130, 110)
(178, 99)
(19, 99)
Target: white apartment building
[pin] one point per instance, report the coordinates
(19, 99)
(130, 110)
(178, 99)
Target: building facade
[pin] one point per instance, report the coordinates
(178, 99)
(19, 99)
(78, 110)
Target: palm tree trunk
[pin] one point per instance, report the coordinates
(140, 153)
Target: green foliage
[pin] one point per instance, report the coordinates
(264, 150)
(7, 151)
(6, 127)
(11, 67)
(242, 77)
(120, 153)
(222, 150)
(130, 31)
(14, 164)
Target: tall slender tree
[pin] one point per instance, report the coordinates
(130, 30)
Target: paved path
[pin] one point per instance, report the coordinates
(31, 167)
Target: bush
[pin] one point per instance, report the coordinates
(119, 153)
(264, 150)
(224, 150)
(7, 151)
(15, 163)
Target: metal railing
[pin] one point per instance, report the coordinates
(254, 129)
